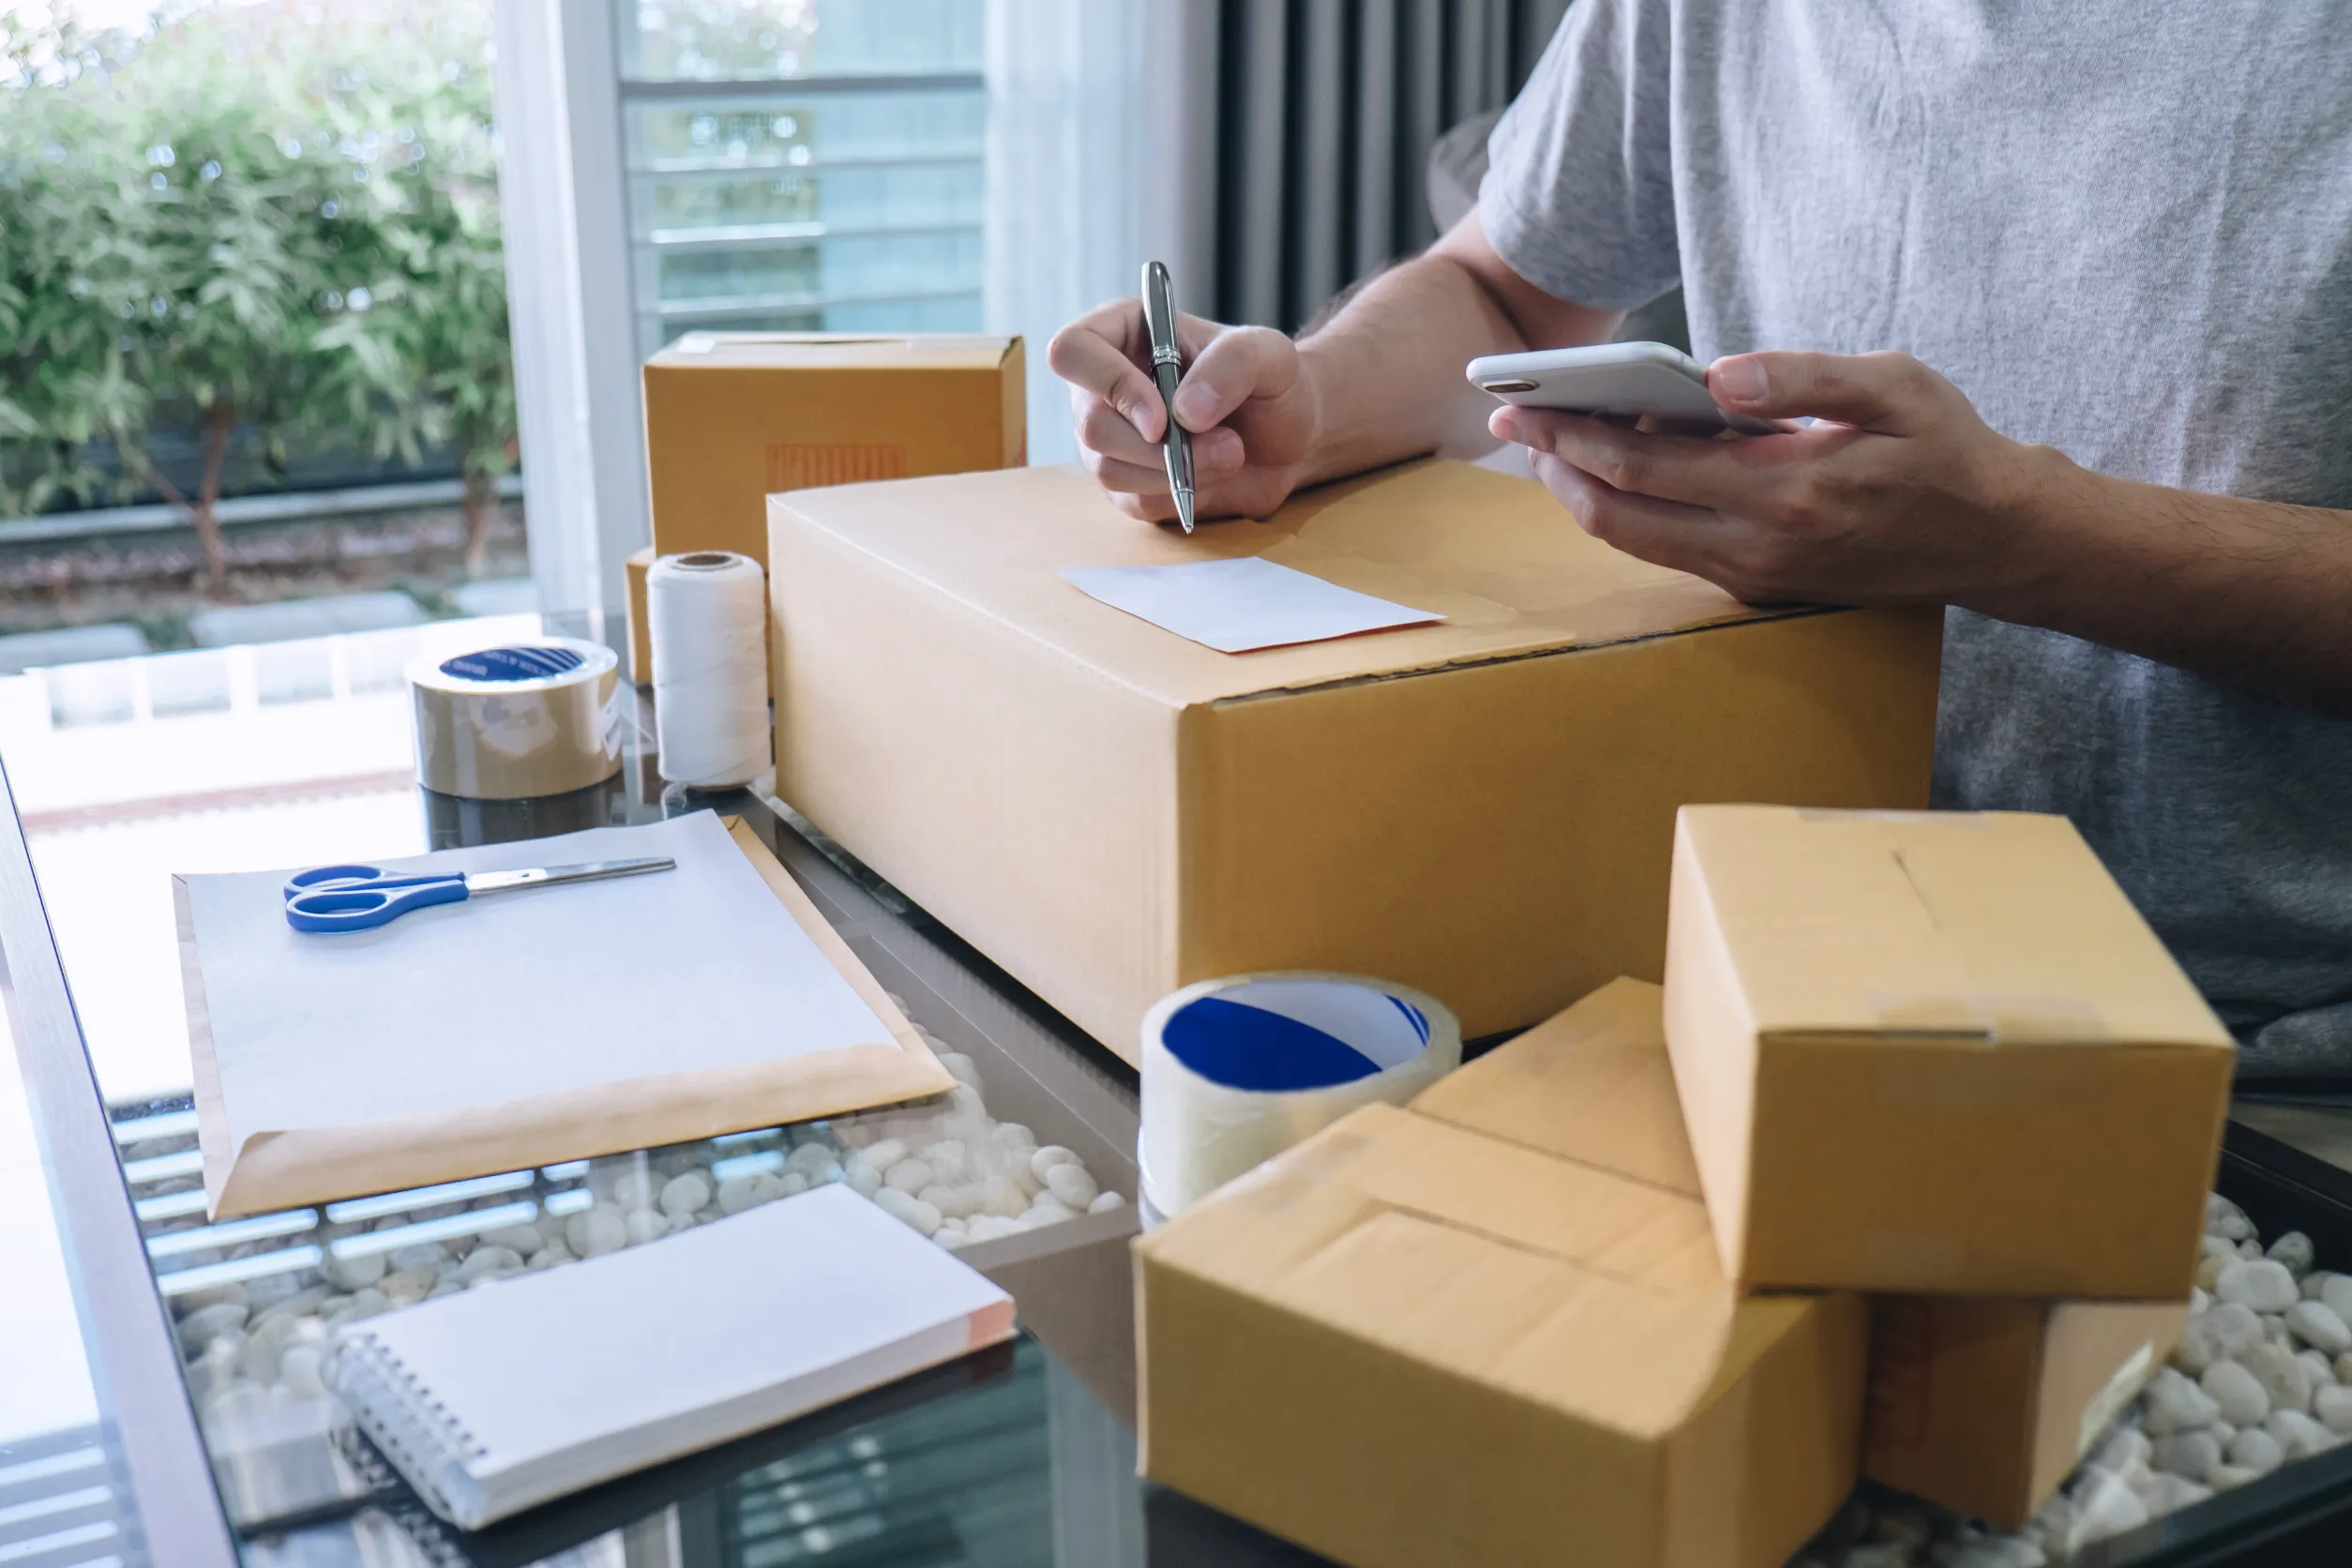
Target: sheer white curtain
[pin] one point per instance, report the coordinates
(1065, 216)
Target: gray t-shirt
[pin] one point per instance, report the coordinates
(2123, 230)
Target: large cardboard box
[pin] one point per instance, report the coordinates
(1482, 808)
(1490, 1329)
(1936, 1052)
(1984, 1404)
(732, 416)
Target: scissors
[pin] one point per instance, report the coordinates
(361, 897)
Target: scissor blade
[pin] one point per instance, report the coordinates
(479, 883)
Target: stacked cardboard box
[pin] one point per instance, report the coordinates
(1941, 1057)
(1932, 1062)
(732, 418)
(1491, 1328)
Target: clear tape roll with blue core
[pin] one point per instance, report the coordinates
(1237, 1070)
(524, 719)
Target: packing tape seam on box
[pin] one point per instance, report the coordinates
(1556, 649)
(1610, 1171)
(1271, 1189)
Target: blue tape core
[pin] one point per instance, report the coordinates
(512, 664)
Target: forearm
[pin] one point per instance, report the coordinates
(2254, 593)
(1388, 366)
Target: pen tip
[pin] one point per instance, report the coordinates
(1183, 509)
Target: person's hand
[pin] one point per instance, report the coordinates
(1900, 495)
(1244, 396)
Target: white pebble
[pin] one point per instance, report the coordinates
(2216, 1246)
(2177, 1405)
(1045, 1159)
(1013, 1134)
(2169, 1494)
(790, 1184)
(548, 1256)
(1106, 1201)
(201, 1327)
(2256, 1449)
(989, 1227)
(2335, 1294)
(646, 1225)
(684, 1195)
(949, 1161)
(404, 1285)
(2241, 1399)
(2265, 1285)
(597, 1230)
(358, 1273)
(418, 1255)
(2333, 1407)
(2295, 1250)
(960, 1067)
(1046, 1211)
(738, 1193)
(2314, 1324)
(885, 1155)
(633, 1189)
(298, 1369)
(909, 1176)
(2286, 1380)
(2323, 1371)
(1071, 1185)
(2209, 1269)
(2225, 1218)
(2299, 1436)
(2223, 1477)
(899, 1205)
(2106, 1505)
(863, 1179)
(813, 1157)
(487, 1260)
(2250, 1249)
(957, 1203)
(1004, 1198)
(2189, 1454)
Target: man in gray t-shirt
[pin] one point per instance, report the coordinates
(2069, 288)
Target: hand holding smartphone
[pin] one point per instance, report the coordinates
(1614, 381)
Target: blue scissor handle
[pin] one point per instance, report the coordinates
(318, 879)
(345, 905)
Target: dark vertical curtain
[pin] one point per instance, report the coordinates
(1326, 113)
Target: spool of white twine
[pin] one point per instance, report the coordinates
(706, 613)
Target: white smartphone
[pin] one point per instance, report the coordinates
(1613, 381)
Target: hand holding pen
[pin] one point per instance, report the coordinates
(1243, 399)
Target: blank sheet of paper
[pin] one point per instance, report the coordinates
(1238, 607)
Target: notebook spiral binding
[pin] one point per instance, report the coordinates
(417, 1432)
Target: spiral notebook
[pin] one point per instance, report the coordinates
(498, 1400)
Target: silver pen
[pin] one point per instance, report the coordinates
(1167, 366)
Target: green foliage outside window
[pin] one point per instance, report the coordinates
(284, 219)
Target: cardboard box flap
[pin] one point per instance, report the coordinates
(837, 351)
(1497, 555)
(1472, 1254)
(1624, 1116)
(1909, 924)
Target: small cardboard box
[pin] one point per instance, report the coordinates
(732, 417)
(1984, 1404)
(640, 622)
(1483, 810)
(1936, 1052)
(1491, 1329)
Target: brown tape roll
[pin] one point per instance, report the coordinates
(519, 720)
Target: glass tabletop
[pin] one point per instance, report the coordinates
(1022, 1456)
(161, 1398)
